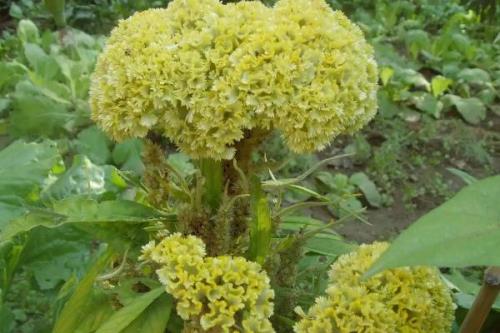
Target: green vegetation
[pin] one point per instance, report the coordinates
(76, 207)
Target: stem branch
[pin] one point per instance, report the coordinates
(484, 300)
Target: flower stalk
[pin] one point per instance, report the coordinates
(212, 172)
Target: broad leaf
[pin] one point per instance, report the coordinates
(416, 40)
(81, 210)
(328, 245)
(54, 255)
(368, 188)
(182, 164)
(429, 104)
(93, 143)
(471, 109)
(36, 114)
(326, 242)
(439, 85)
(44, 65)
(126, 315)
(385, 74)
(27, 32)
(7, 319)
(74, 312)
(97, 310)
(84, 178)
(56, 8)
(128, 155)
(466, 288)
(462, 232)
(24, 166)
(474, 76)
(155, 318)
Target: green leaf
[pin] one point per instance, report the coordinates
(328, 245)
(44, 65)
(15, 11)
(296, 223)
(56, 8)
(467, 178)
(35, 114)
(466, 288)
(81, 210)
(73, 312)
(471, 109)
(99, 308)
(416, 40)
(337, 182)
(10, 210)
(439, 85)
(155, 318)
(411, 77)
(385, 74)
(127, 155)
(126, 315)
(7, 319)
(261, 224)
(10, 74)
(326, 242)
(24, 166)
(93, 143)
(54, 255)
(182, 164)
(388, 108)
(429, 104)
(83, 178)
(368, 188)
(462, 232)
(27, 31)
(4, 104)
(475, 76)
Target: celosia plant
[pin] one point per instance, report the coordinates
(216, 80)
(202, 73)
(410, 299)
(213, 294)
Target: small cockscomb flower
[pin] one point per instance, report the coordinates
(409, 299)
(202, 73)
(220, 294)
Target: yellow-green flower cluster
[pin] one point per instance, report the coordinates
(202, 73)
(405, 300)
(218, 294)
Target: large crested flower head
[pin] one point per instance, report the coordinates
(334, 81)
(398, 300)
(220, 294)
(203, 73)
(121, 96)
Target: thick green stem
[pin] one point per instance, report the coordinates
(261, 224)
(243, 158)
(482, 305)
(56, 8)
(212, 171)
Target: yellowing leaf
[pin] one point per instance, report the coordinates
(385, 75)
(439, 84)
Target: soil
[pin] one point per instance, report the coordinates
(385, 223)
(5, 19)
(388, 222)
